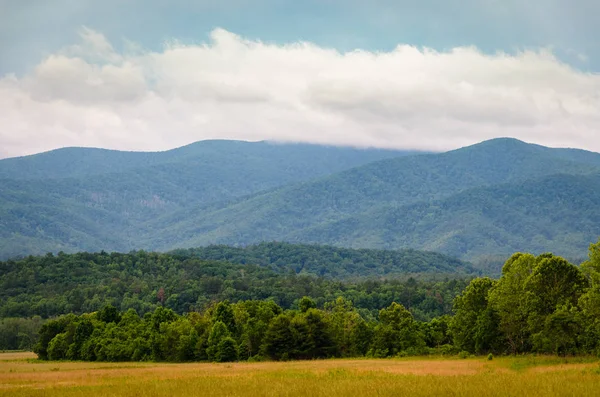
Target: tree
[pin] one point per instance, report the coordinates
(506, 298)
(58, 347)
(224, 313)
(83, 330)
(559, 333)
(343, 321)
(306, 303)
(226, 350)
(553, 285)
(279, 340)
(473, 327)
(109, 314)
(218, 332)
(48, 331)
(437, 331)
(396, 332)
(589, 302)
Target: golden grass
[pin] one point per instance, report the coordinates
(8, 356)
(20, 375)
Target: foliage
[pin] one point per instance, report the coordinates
(553, 301)
(333, 262)
(478, 203)
(52, 285)
(83, 199)
(19, 333)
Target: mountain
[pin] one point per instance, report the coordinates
(90, 199)
(555, 213)
(477, 203)
(443, 202)
(264, 160)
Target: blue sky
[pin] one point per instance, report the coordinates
(29, 29)
(433, 75)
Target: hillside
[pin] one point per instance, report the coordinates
(332, 262)
(477, 203)
(51, 285)
(90, 199)
(558, 213)
(370, 206)
(289, 162)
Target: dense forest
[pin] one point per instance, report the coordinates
(479, 203)
(334, 262)
(37, 288)
(476, 203)
(541, 304)
(84, 199)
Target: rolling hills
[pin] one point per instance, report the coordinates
(90, 199)
(475, 203)
(494, 198)
(332, 262)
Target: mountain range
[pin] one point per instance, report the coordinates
(479, 203)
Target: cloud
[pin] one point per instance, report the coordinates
(89, 94)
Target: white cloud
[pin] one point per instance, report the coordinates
(90, 95)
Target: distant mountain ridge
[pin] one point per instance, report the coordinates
(365, 206)
(85, 162)
(481, 201)
(90, 199)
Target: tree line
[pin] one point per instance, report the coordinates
(37, 288)
(248, 330)
(541, 304)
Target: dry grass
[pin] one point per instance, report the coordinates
(20, 375)
(9, 356)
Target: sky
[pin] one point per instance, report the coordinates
(428, 75)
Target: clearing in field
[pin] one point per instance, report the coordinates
(22, 375)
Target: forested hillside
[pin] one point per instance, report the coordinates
(559, 211)
(187, 280)
(333, 262)
(479, 203)
(541, 304)
(487, 200)
(79, 199)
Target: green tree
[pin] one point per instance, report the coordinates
(226, 350)
(218, 332)
(507, 299)
(306, 303)
(554, 285)
(396, 332)
(589, 303)
(279, 340)
(48, 331)
(559, 333)
(224, 313)
(58, 347)
(474, 326)
(109, 314)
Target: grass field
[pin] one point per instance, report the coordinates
(22, 375)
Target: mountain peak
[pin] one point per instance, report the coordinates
(501, 143)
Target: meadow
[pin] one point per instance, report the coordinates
(21, 374)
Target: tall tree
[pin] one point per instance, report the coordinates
(474, 327)
(554, 285)
(507, 299)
